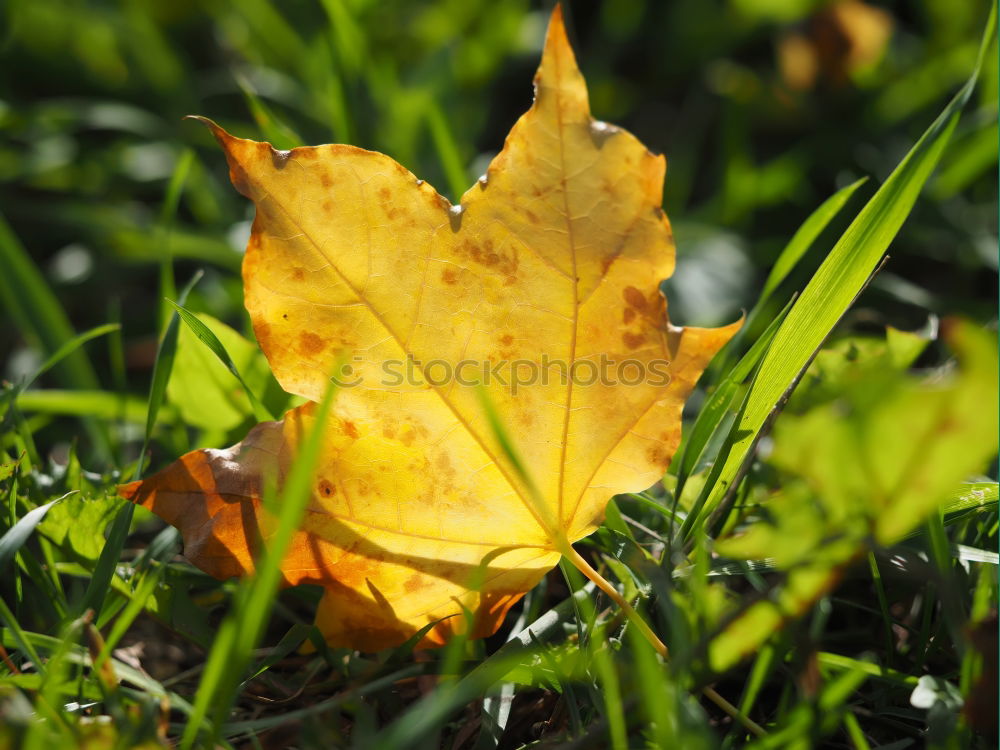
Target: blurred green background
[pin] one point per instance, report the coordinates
(763, 108)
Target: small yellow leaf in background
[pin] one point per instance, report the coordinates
(539, 291)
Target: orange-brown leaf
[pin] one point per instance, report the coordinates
(553, 260)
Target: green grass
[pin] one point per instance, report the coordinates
(822, 553)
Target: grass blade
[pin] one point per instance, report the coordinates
(447, 149)
(97, 589)
(36, 311)
(209, 339)
(242, 628)
(15, 538)
(721, 401)
(98, 404)
(67, 349)
(804, 238)
(164, 229)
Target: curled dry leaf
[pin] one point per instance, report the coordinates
(549, 268)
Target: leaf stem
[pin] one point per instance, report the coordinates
(605, 585)
(659, 646)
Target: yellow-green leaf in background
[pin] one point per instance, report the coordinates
(205, 393)
(871, 464)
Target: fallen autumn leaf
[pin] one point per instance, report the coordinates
(553, 259)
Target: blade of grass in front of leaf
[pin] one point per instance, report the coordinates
(500, 433)
(97, 589)
(210, 340)
(833, 289)
(243, 626)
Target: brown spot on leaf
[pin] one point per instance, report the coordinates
(326, 489)
(310, 343)
(351, 429)
(325, 180)
(628, 315)
(449, 275)
(414, 583)
(484, 255)
(298, 274)
(658, 455)
(328, 206)
(633, 340)
(506, 339)
(443, 464)
(634, 298)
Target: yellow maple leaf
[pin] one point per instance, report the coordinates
(539, 291)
